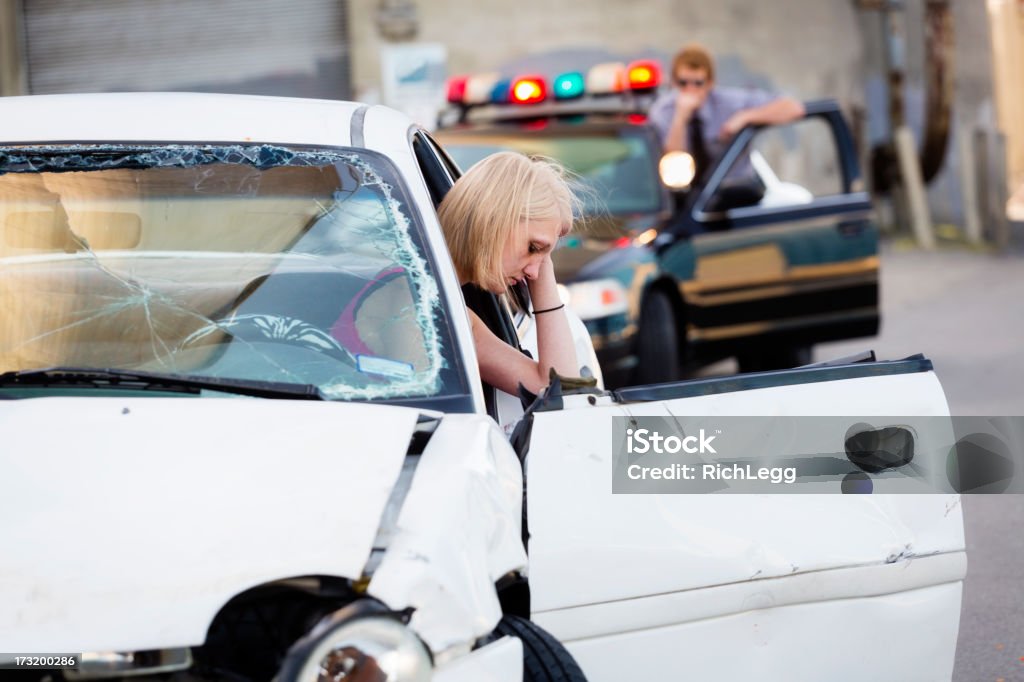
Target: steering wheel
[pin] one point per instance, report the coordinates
(263, 328)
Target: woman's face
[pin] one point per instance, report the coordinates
(526, 250)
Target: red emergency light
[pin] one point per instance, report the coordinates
(644, 74)
(529, 90)
(457, 89)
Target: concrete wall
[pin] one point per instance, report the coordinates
(12, 71)
(811, 49)
(806, 48)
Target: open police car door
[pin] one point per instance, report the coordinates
(775, 246)
(668, 575)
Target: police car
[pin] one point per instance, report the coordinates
(670, 272)
(245, 438)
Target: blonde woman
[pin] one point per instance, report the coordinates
(501, 221)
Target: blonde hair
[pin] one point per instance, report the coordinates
(493, 203)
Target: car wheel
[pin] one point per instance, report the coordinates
(544, 657)
(769, 359)
(657, 342)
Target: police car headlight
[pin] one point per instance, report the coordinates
(677, 169)
(371, 647)
(597, 298)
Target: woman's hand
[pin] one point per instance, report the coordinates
(544, 288)
(504, 367)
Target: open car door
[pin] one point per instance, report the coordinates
(777, 250)
(748, 586)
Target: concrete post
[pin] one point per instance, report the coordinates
(999, 194)
(968, 186)
(913, 186)
(990, 173)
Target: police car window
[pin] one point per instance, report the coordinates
(617, 166)
(783, 166)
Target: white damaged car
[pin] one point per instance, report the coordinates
(245, 438)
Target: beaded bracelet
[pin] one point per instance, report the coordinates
(549, 310)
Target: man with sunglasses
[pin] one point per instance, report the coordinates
(698, 117)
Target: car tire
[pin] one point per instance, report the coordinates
(657, 341)
(774, 358)
(544, 657)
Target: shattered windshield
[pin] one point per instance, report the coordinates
(256, 263)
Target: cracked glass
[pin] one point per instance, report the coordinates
(258, 263)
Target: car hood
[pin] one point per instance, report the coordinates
(130, 522)
(591, 248)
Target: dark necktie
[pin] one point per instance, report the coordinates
(697, 148)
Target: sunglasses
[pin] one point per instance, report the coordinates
(687, 82)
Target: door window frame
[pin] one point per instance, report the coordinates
(850, 197)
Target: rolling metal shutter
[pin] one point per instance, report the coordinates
(267, 47)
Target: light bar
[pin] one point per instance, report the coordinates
(644, 74)
(568, 85)
(457, 89)
(607, 79)
(610, 78)
(501, 93)
(480, 87)
(529, 90)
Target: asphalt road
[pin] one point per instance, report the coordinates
(965, 311)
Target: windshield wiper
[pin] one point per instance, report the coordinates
(117, 378)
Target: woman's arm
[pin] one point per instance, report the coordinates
(504, 367)
(554, 338)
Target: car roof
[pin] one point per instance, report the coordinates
(196, 117)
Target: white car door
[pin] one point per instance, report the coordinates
(765, 586)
